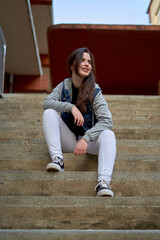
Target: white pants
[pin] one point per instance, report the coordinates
(60, 138)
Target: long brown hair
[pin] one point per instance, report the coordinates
(85, 94)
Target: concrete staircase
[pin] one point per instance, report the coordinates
(35, 204)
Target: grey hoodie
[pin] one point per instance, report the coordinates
(99, 106)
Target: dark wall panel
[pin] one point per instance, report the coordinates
(127, 57)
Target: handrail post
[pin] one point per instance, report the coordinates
(2, 61)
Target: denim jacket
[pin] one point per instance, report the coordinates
(89, 117)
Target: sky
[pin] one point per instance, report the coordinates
(101, 11)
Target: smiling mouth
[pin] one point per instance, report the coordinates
(85, 69)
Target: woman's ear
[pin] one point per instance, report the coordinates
(72, 66)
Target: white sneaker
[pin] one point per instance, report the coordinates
(56, 165)
(103, 189)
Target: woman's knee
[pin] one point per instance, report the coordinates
(49, 112)
(107, 134)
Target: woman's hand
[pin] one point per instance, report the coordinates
(78, 118)
(81, 147)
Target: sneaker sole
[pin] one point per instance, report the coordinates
(53, 167)
(105, 193)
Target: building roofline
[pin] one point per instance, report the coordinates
(149, 6)
(105, 27)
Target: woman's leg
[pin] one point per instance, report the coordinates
(57, 135)
(60, 138)
(105, 147)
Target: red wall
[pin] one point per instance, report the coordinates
(127, 57)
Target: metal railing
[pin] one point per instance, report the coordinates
(2, 61)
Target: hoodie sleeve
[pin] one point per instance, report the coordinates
(104, 117)
(53, 101)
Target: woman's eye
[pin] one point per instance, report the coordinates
(88, 61)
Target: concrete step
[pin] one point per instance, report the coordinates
(80, 213)
(120, 134)
(121, 119)
(137, 133)
(114, 106)
(132, 98)
(27, 98)
(36, 97)
(116, 113)
(124, 162)
(21, 125)
(89, 234)
(121, 111)
(66, 184)
(16, 147)
(23, 129)
(116, 103)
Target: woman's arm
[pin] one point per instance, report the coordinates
(104, 117)
(53, 100)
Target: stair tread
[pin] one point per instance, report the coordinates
(11, 124)
(78, 175)
(120, 142)
(89, 234)
(84, 217)
(120, 156)
(140, 147)
(75, 201)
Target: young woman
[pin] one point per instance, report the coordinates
(84, 123)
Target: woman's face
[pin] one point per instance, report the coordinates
(85, 66)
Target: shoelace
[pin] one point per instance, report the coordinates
(57, 160)
(102, 183)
